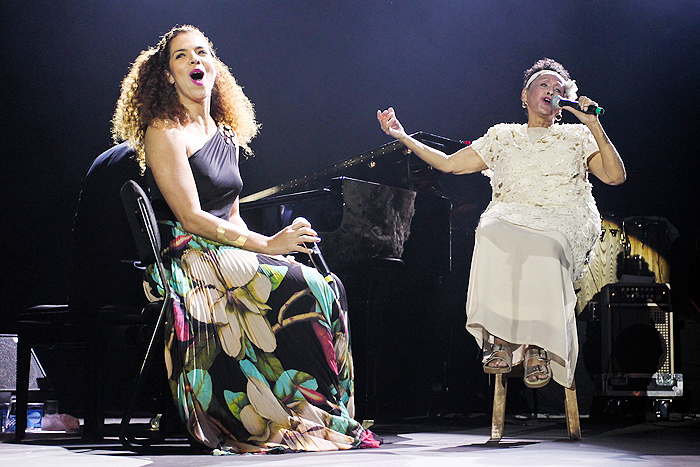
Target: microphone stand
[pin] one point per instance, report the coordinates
(319, 262)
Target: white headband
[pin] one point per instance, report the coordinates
(568, 83)
(543, 72)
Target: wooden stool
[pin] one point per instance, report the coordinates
(573, 425)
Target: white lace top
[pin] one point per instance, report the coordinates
(543, 184)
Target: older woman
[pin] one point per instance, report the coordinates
(534, 237)
(257, 346)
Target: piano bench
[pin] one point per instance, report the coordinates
(98, 334)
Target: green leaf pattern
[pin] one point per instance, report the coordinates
(211, 381)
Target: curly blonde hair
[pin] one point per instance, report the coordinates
(146, 95)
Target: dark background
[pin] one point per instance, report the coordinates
(317, 72)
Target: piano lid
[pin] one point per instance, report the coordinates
(391, 164)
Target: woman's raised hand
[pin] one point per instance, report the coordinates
(390, 124)
(583, 102)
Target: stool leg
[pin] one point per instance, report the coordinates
(573, 424)
(499, 406)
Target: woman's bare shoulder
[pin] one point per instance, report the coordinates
(163, 127)
(163, 138)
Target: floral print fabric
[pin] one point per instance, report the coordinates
(257, 350)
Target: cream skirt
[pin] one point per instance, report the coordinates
(521, 290)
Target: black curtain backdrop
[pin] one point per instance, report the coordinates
(317, 72)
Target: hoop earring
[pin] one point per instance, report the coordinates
(524, 104)
(557, 118)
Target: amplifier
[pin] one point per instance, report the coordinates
(8, 366)
(636, 294)
(636, 329)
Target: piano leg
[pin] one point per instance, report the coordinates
(367, 335)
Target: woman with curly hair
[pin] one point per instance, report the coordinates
(257, 346)
(534, 237)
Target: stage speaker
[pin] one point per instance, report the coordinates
(637, 329)
(637, 341)
(8, 366)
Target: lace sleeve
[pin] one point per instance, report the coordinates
(484, 147)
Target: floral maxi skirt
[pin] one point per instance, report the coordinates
(257, 350)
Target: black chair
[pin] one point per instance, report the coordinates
(144, 228)
(99, 332)
(105, 300)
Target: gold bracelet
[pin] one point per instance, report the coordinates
(221, 237)
(221, 234)
(240, 241)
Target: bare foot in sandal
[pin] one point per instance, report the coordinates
(537, 370)
(499, 359)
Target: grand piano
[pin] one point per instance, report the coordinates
(380, 205)
(385, 230)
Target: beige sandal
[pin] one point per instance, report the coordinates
(498, 352)
(540, 368)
